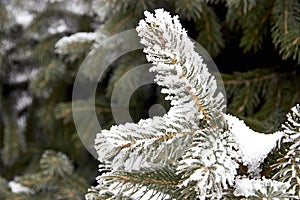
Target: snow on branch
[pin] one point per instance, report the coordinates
(254, 146)
(292, 126)
(195, 150)
(289, 165)
(209, 165)
(190, 87)
(77, 44)
(260, 188)
(180, 69)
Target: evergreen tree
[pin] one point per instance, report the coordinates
(43, 43)
(194, 151)
(33, 80)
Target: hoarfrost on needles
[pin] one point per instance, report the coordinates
(176, 71)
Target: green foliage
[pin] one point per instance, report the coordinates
(3, 16)
(47, 78)
(286, 19)
(259, 96)
(53, 179)
(256, 28)
(13, 138)
(210, 35)
(190, 9)
(129, 183)
(33, 79)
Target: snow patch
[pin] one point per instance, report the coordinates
(58, 27)
(23, 18)
(18, 188)
(247, 187)
(253, 145)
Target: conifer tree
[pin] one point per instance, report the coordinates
(194, 151)
(32, 82)
(43, 43)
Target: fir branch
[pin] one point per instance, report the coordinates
(43, 20)
(244, 5)
(133, 185)
(210, 35)
(55, 173)
(284, 34)
(261, 189)
(123, 14)
(132, 79)
(134, 180)
(255, 26)
(236, 11)
(14, 142)
(47, 78)
(64, 110)
(152, 144)
(209, 165)
(258, 96)
(287, 167)
(189, 9)
(176, 53)
(53, 166)
(75, 45)
(158, 138)
(130, 150)
(114, 8)
(130, 144)
(43, 52)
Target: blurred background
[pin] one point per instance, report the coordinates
(255, 45)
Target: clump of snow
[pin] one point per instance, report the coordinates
(18, 188)
(24, 18)
(19, 77)
(58, 27)
(249, 187)
(66, 44)
(253, 145)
